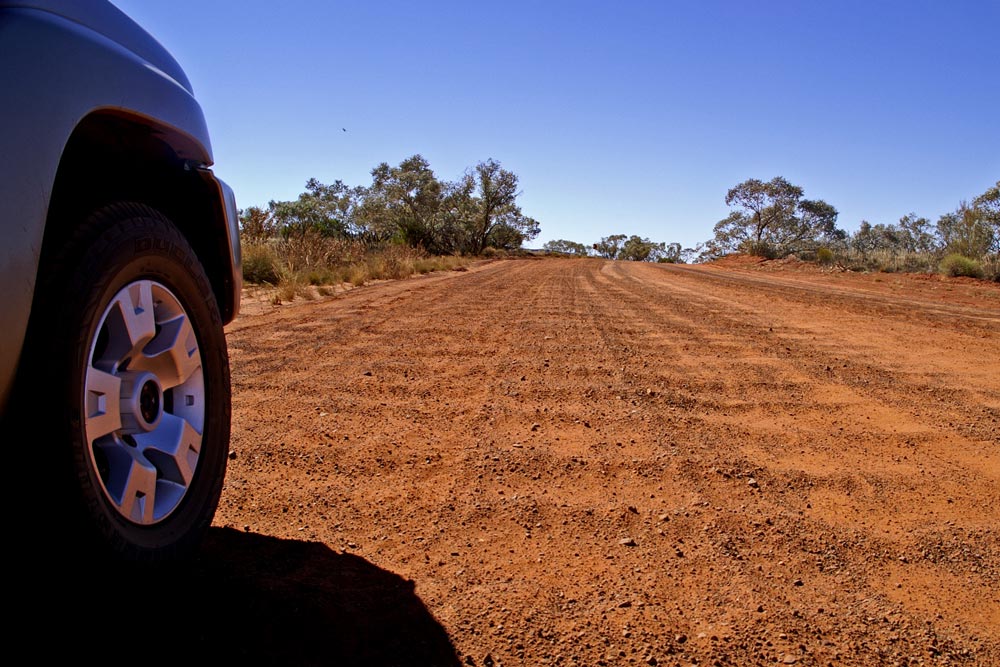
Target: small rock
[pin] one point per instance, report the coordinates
(752, 483)
(535, 427)
(232, 455)
(368, 373)
(789, 659)
(680, 639)
(627, 542)
(797, 582)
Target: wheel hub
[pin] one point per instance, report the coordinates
(141, 402)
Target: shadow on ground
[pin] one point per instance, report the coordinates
(247, 599)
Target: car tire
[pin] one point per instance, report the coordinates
(134, 387)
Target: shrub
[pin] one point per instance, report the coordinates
(759, 249)
(260, 264)
(824, 256)
(960, 265)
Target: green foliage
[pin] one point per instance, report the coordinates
(257, 225)
(772, 219)
(260, 263)
(636, 249)
(824, 256)
(609, 246)
(988, 205)
(474, 213)
(968, 231)
(955, 264)
(566, 247)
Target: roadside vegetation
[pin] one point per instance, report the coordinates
(406, 222)
(773, 219)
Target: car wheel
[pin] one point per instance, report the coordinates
(139, 346)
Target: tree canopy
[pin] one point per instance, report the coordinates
(407, 204)
(772, 218)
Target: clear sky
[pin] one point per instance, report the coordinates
(618, 117)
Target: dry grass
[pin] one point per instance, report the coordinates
(311, 266)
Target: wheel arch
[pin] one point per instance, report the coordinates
(114, 155)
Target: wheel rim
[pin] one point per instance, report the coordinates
(144, 402)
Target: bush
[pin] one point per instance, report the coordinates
(824, 256)
(759, 249)
(960, 265)
(260, 264)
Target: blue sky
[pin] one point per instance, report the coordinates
(628, 117)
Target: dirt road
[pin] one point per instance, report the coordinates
(579, 462)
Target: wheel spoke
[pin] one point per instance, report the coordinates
(135, 305)
(172, 448)
(173, 355)
(101, 404)
(131, 481)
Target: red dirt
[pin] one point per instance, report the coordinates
(583, 462)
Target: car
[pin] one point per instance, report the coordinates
(120, 267)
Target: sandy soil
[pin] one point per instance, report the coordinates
(581, 462)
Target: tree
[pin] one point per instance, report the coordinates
(609, 246)
(672, 254)
(773, 219)
(494, 214)
(917, 234)
(511, 232)
(988, 205)
(636, 249)
(326, 209)
(967, 231)
(566, 247)
(412, 195)
(257, 225)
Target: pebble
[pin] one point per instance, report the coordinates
(627, 542)
(752, 482)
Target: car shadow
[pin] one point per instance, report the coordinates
(246, 598)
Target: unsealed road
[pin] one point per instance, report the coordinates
(581, 462)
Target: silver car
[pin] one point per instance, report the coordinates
(119, 267)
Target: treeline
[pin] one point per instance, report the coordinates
(773, 219)
(407, 205)
(621, 246)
